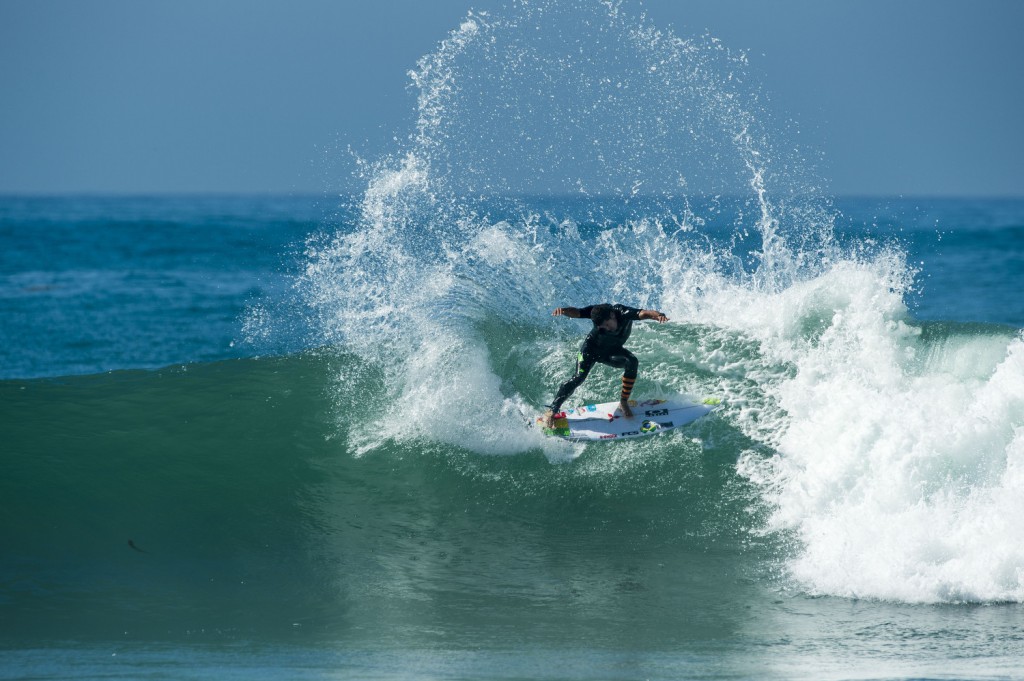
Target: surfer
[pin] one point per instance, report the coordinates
(612, 326)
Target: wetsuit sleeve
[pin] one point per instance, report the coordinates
(585, 311)
(631, 313)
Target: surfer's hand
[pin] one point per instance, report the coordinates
(654, 315)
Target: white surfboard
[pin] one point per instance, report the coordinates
(606, 422)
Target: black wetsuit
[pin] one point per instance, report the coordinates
(604, 347)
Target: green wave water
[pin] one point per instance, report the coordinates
(236, 505)
(376, 507)
(224, 498)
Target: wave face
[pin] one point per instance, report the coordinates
(887, 450)
(222, 500)
(351, 491)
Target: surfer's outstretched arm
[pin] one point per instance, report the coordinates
(573, 312)
(654, 315)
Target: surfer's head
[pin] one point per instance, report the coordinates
(605, 317)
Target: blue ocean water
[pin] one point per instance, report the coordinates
(95, 284)
(92, 284)
(241, 436)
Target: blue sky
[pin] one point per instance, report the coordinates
(901, 97)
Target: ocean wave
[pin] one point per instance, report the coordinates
(162, 501)
(880, 444)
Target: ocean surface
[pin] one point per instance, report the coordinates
(271, 437)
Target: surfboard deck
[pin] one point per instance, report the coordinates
(597, 422)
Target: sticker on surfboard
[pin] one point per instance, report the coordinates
(595, 422)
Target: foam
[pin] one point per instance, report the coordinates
(898, 463)
(898, 457)
(505, 101)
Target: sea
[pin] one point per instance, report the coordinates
(285, 436)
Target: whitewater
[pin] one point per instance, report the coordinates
(896, 454)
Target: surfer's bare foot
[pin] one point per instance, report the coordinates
(626, 411)
(549, 419)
